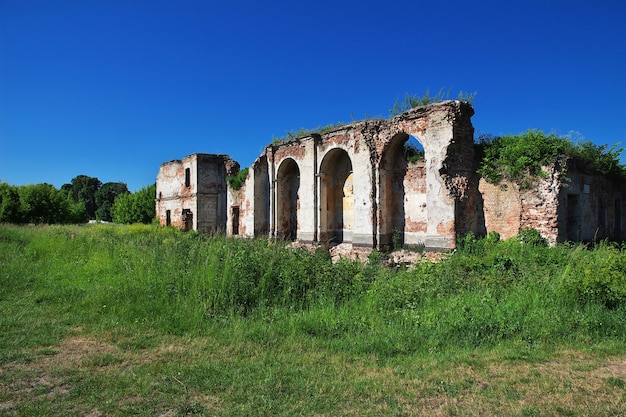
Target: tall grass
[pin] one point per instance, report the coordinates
(487, 294)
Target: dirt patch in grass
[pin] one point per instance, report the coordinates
(616, 369)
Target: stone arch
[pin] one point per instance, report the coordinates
(287, 199)
(261, 197)
(403, 208)
(336, 197)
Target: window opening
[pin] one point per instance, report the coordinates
(601, 213)
(413, 150)
(187, 219)
(235, 220)
(618, 218)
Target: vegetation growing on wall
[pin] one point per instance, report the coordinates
(521, 158)
(237, 180)
(411, 101)
(600, 158)
(294, 134)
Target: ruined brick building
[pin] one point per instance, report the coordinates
(354, 185)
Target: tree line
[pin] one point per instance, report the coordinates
(84, 198)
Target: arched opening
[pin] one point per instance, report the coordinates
(403, 209)
(287, 200)
(336, 197)
(261, 198)
(413, 150)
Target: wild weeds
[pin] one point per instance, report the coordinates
(142, 320)
(488, 292)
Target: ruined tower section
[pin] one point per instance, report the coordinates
(191, 193)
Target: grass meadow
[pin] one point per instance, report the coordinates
(107, 320)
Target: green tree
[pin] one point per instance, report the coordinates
(83, 189)
(43, 203)
(122, 209)
(105, 197)
(78, 213)
(9, 204)
(135, 208)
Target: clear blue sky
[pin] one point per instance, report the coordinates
(112, 88)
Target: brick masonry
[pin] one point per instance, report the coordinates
(353, 186)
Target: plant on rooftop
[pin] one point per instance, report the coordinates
(411, 101)
(521, 158)
(600, 158)
(294, 134)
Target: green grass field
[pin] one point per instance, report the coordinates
(109, 320)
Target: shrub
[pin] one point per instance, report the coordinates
(601, 159)
(530, 236)
(597, 276)
(237, 180)
(136, 207)
(521, 158)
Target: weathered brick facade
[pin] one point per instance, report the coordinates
(192, 194)
(354, 185)
(573, 205)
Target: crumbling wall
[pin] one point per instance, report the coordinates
(507, 208)
(348, 185)
(211, 172)
(540, 204)
(191, 193)
(591, 206)
(445, 131)
(502, 207)
(416, 213)
(567, 205)
(173, 196)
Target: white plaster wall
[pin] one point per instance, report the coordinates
(306, 213)
(362, 190)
